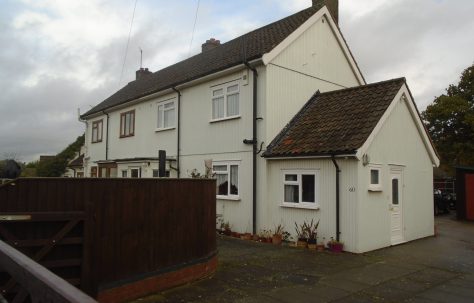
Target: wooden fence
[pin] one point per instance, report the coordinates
(99, 234)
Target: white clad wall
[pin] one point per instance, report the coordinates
(94, 151)
(326, 195)
(397, 143)
(315, 61)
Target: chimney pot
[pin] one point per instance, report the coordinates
(210, 44)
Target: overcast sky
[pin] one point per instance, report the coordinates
(60, 55)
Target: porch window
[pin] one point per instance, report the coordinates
(127, 124)
(374, 177)
(225, 101)
(300, 188)
(135, 172)
(227, 175)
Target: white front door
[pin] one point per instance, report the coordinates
(396, 206)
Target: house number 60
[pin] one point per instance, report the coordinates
(352, 189)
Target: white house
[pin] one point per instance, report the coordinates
(242, 106)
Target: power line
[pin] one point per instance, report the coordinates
(128, 42)
(194, 27)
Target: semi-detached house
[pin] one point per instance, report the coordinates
(284, 119)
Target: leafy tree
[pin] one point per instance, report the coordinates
(450, 122)
(56, 166)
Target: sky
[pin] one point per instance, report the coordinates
(58, 56)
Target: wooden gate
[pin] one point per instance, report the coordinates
(52, 239)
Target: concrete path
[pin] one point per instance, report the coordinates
(436, 269)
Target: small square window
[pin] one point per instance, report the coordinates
(300, 189)
(227, 177)
(375, 183)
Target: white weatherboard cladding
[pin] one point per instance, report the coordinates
(397, 143)
(276, 214)
(237, 212)
(316, 52)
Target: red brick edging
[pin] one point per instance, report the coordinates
(158, 282)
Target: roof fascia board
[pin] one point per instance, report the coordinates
(312, 157)
(167, 91)
(323, 12)
(402, 95)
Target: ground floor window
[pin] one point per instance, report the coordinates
(135, 172)
(156, 173)
(227, 175)
(94, 172)
(300, 188)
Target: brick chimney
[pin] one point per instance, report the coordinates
(210, 44)
(142, 72)
(333, 7)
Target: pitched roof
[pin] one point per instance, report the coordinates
(337, 122)
(248, 47)
(78, 162)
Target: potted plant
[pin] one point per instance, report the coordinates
(255, 237)
(246, 236)
(225, 228)
(302, 235)
(335, 246)
(277, 236)
(312, 232)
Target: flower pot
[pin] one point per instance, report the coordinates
(235, 234)
(255, 238)
(320, 247)
(312, 246)
(276, 239)
(335, 247)
(246, 236)
(227, 232)
(301, 244)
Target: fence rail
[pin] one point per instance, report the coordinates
(101, 233)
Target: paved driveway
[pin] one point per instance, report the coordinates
(436, 269)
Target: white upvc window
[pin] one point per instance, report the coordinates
(124, 173)
(375, 176)
(166, 115)
(135, 172)
(300, 188)
(225, 101)
(227, 176)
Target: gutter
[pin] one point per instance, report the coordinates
(178, 143)
(338, 171)
(254, 148)
(106, 137)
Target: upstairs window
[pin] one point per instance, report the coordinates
(127, 124)
(97, 131)
(300, 189)
(166, 115)
(225, 101)
(227, 175)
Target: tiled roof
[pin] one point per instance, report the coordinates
(78, 162)
(337, 122)
(248, 47)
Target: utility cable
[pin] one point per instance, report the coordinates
(194, 28)
(128, 42)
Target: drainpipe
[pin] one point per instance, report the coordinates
(106, 137)
(254, 148)
(178, 148)
(338, 171)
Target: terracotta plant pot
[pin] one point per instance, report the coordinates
(235, 234)
(320, 247)
(246, 236)
(301, 244)
(255, 238)
(312, 246)
(276, 239)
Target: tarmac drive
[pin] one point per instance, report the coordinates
(435, 269)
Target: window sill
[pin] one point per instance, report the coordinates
(127, 136)
(228, 198)
(93, 142)
(298, 205)
(375, 189)
(164, 129)
(224, 119)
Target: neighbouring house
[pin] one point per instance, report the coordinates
(75, 167)
(292, 132)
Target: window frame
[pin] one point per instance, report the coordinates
(225, 94)
(375, 187)
(130, 133)
(228, 165)
(162, 114)
(132, 168)
(299, 182)
(95, 126)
